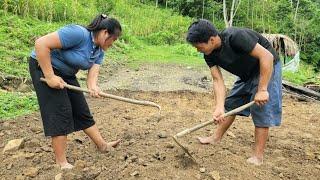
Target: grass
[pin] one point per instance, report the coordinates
(181, 54)
(305, 74)
(17, 37)
(16, 104)
(150, 35)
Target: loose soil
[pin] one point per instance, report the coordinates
(147, 150)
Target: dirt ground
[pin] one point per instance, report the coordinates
(147, 150)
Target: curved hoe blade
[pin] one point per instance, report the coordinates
(183, 148)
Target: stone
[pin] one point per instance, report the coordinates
(33, 143)
(309, 154)
(215, 175)
(307, 136)
(202, 170)
(36, 129)
(20, 177)
(134, 158)
(135, 173)
(68, 175)
(13, 145)
(142, 162)
(9, 166)
(229, 133)
(46, 149)
(37, 150)
(29, 155)
(169, 146)
(79, 164)
(281, 175)
(132, 141)
(162, 135)
(58, 177)
(91, 173)
(31, 172)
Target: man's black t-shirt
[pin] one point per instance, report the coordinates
(234, 54)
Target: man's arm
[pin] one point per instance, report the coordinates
(219, 90)
(266, 69)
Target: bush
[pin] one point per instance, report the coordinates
(160, 38)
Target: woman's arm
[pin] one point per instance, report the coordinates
(43, 46)
(92, 80)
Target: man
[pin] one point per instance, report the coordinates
(248, 55)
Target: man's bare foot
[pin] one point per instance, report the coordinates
(255, 161)
(107, 147)
(66, 165)
(208, 140)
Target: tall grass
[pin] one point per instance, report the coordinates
(153, 25)
(52, 11)
(17, 36)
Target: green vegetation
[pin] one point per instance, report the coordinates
(152, 34)
(298, 19)
(15, 104)
(305, 74)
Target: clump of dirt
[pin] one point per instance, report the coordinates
(13, 83)
(148, 152)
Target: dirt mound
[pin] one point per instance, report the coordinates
(161, 77)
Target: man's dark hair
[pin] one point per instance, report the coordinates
(200, 31)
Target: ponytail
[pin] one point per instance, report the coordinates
(101, 22)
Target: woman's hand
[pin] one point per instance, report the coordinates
(94, 91)
(55, 82)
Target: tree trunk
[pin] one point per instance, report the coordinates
(225, 13)
(294, 21)
(202, 8)
(213, 16)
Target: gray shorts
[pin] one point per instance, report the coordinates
(243, 92)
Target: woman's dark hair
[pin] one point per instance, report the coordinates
(101, 22)
(200, 31)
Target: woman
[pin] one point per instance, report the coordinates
(57, 57)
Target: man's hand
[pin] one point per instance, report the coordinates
(94, 91)
(217, 115)
(261, 97)
(56, 82)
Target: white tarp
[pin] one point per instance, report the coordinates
(292, 65)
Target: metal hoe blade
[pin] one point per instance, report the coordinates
(184, 149)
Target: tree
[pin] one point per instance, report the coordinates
(228, 19)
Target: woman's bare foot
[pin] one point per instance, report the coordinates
(66, 165)
(208, 140)
(107, 146)
(255, 161)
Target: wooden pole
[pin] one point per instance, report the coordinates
(119, 98)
